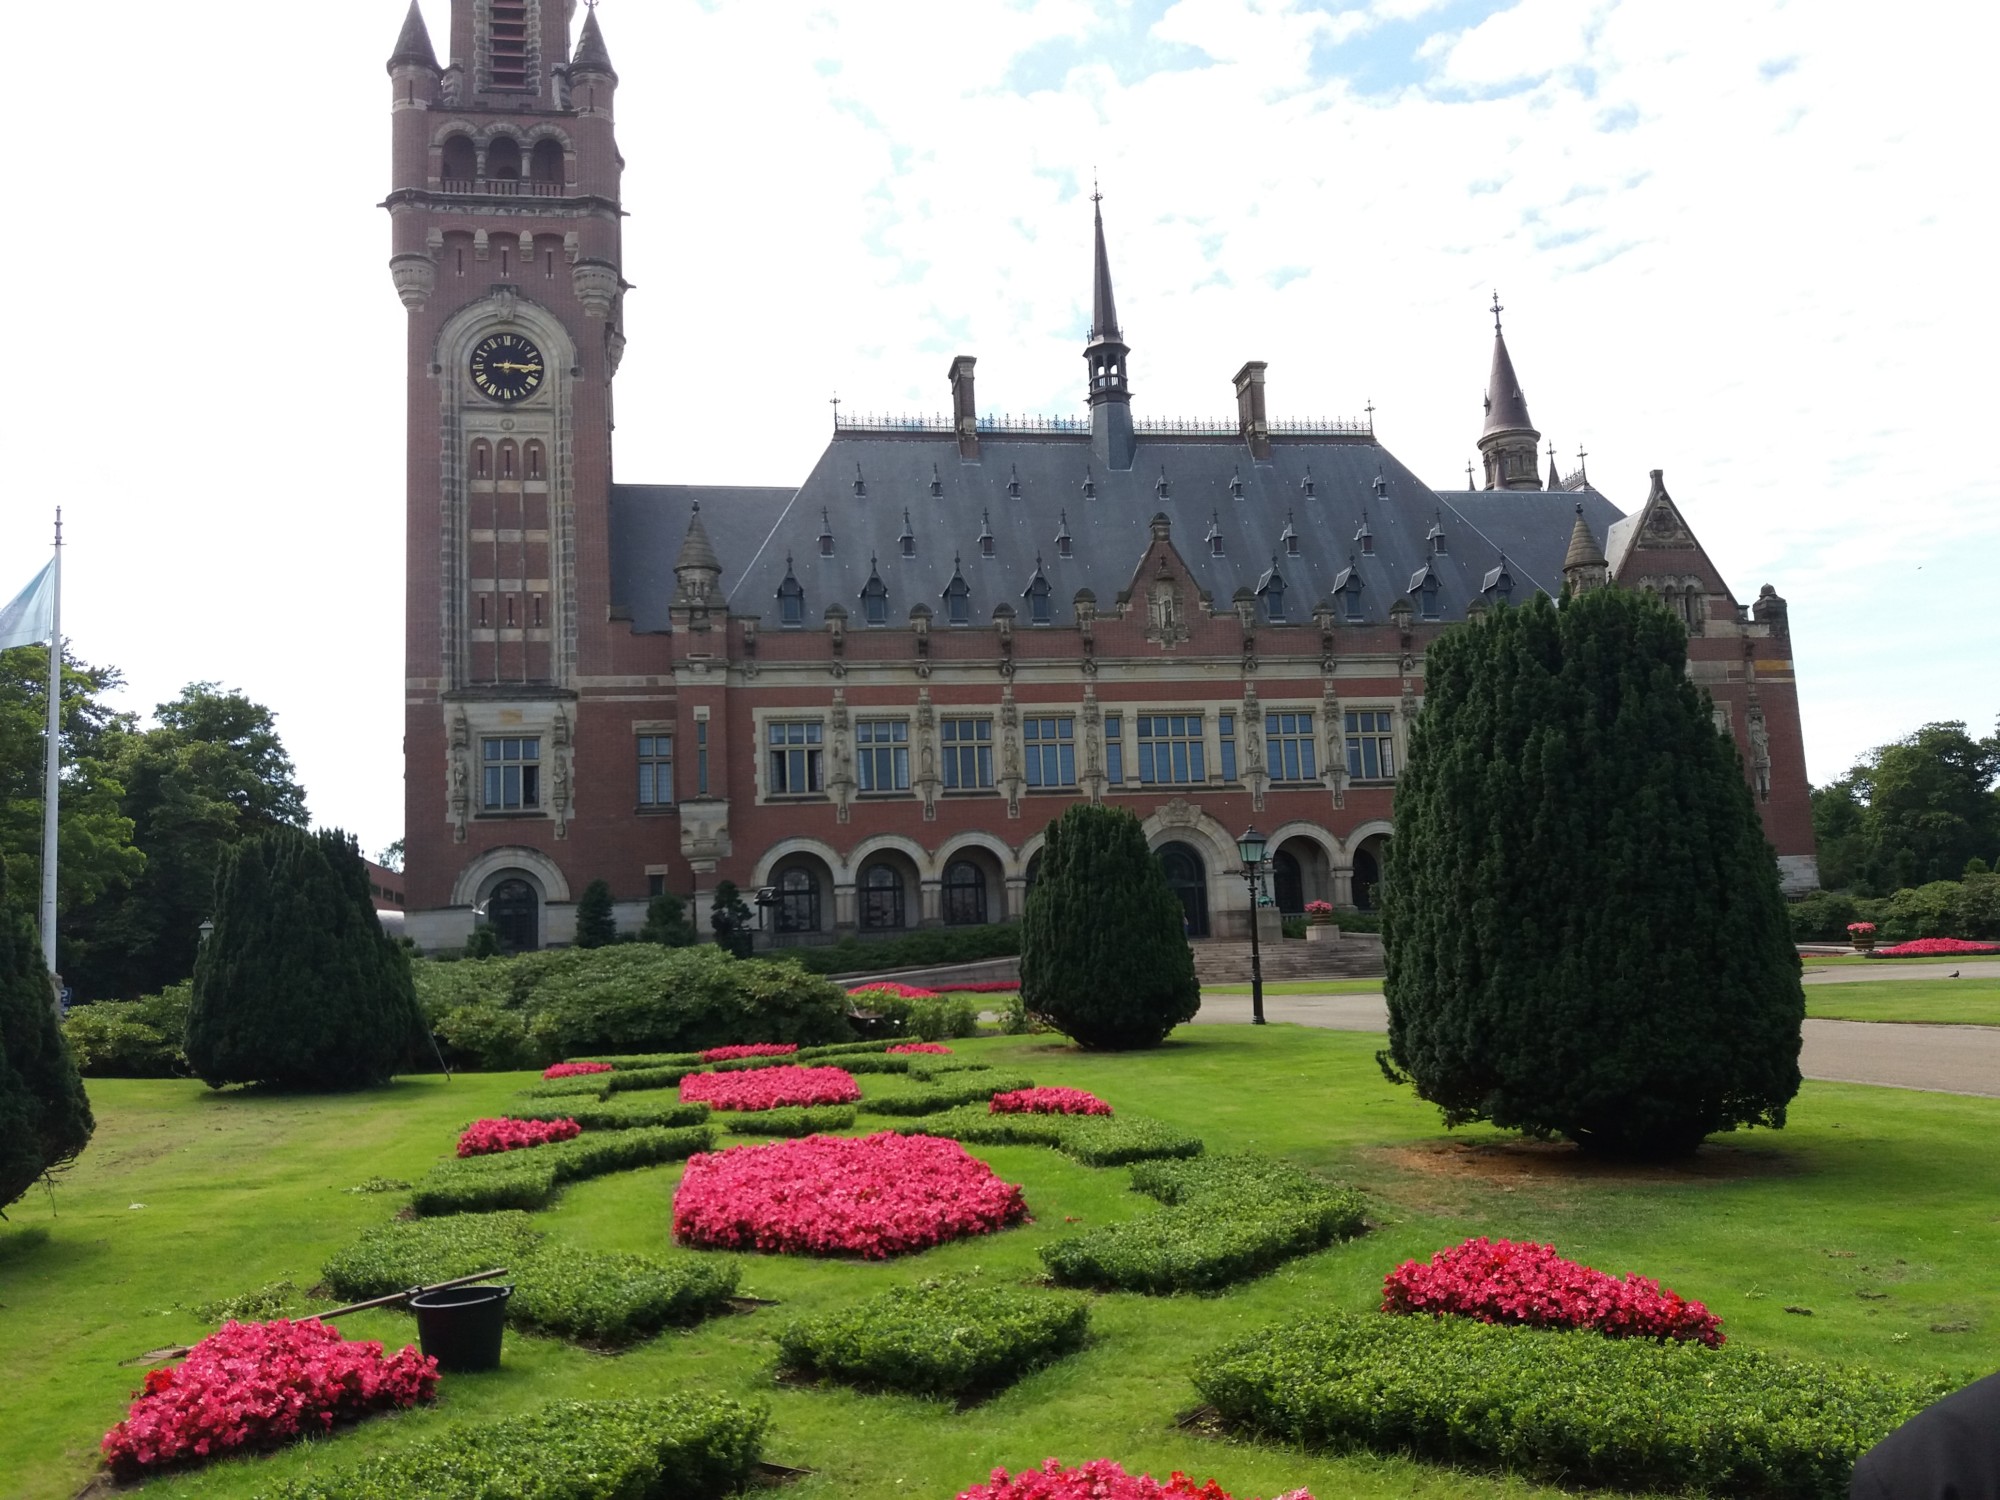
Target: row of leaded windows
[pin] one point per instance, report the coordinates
(1288, 746)
(798, 766)
(1051, 746)
(882, 754)
(968, 754)
(1171, 749)
(656, 770)
(513, 775)
(1371, 746)
(881, 898)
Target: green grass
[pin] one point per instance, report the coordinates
(1876, 1210)
(1941, 1002)
(1302, 987)
(1848, 960)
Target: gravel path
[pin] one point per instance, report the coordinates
(1939, 1059)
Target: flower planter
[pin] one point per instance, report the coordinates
(1862, 943)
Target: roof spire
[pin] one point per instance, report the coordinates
(1583, 564)
(591, 55)
(1506, 407)
(413, 46)
(1103, 307)
(697, 551)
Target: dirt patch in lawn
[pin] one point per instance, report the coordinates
(1506, 1164)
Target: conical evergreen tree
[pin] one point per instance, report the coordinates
(45, 1117)
(667, 923)
(1583, 923)
(596, 927)
(298, 984)
(1104, 953)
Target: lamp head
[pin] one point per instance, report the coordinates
(1250, 847)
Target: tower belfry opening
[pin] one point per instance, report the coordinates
(507, 43)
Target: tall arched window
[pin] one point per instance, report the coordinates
(506, 460)
(798, 901)
(503, 159)
(546, 166)
(534, 460)
(881, 898)
(482, 461)
(964, 894)
(460, 163)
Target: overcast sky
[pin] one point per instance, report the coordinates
(1749, 243)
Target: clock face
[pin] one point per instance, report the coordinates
(507, 367)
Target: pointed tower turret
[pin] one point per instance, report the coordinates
(1584, 567)
(697, 571)
(1509, 440)
(1105, 355)
(592, 56)
(413, 47)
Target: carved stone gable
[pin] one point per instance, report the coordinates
(1166, 613)
(1665, 528)
(1179, 813)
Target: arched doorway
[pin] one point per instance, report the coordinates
(964, 894)
(1289, 883)
(1367, 875)
(881, 898)
(513, 911)
(798, 906)
(1188, 879)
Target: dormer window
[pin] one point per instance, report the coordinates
(1271, 589)
(1381, 487)
(1306, 484)
(1037, 594)
(875, 597)
(1424, 586)
(1162, 487)
(1499, 584)
(791, 600)
(1214, 537)
(957, 598)
(1014, 482)
(1062, 538)
(860, 484)
(1363, 537)
(1089, 485)
(1435, 536)
(1236, 485)
(937, 483)
(985, 534)
(907, 542)
(1290, 537)
(1348, 587)
(825, 534)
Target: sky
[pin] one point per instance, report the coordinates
(1747, 243)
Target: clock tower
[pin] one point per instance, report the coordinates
(506, 253)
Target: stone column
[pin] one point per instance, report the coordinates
(1343, 887)
(931, 902)
(1016, 898)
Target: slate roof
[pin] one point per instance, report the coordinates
(755, 530)
(592, 56)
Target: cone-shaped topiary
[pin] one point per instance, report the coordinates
(45, 1117)
(299, 985)
(1582, 918)
(1104, 953)
(596, 927)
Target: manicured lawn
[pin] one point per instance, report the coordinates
(1302, 987)
(1942, 1002)
(1846, 960)
(1875, 1211)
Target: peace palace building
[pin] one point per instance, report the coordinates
(872, 691)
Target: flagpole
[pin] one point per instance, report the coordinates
(51, 786)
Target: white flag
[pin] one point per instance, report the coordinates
(30, 619)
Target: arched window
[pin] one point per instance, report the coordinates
(546, 166)
(791, 602)
(964, 894)
(460, 163)
(513, 912)
(506, 460)
(482, 461)
(503, 159)
(798, 901)
(534, 458)
(881, 898)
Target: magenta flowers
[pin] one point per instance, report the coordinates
(912, 1049)
(754, 1049)
(1100, 1479)
(875, 1196)
(489, 1137)
(770, 1088)
(575, 1069)
(1048, 1101)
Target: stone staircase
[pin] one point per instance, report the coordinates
(1358, 955)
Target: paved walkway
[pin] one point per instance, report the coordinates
(1939, 1059)
(1972, 968)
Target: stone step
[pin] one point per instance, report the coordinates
(1357, 955)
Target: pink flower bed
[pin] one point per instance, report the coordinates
(1048, 1101)
(1499, 1281)
(993, 987)
(574, 1070)
(755, 1049)
(1100, 1479)
(1925, 946)
(911, 1049)
(258, 1385)
(770, 1088)
(894, 991)
(489, 1137)
(873, 1196)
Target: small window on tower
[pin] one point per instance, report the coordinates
(534, 456)
(482, 461)
(458, 164)
(506, 460)
(546, 166)
(508, 45)
(503, 159)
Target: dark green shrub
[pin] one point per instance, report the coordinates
(845, 1049)
(1228, 1218)
(667, 924)
(1822, 917)
(941, 1018)
(1104, 952)
(934, 948)
(637, 997)
(641, 1080)
(616, 1114)
(131, 1039)
(45, 1117)
(867, 1062)
(298, 985)
(813, 1120)
(484, 942)
(948, 1337)
(528, 1179)
(422, 1252)
(683, 1447)
(1584, 931)
(1573, 1408)
(596, 926)
(928, 1067)
(615, 1299)
(958, 1089)
(735, 928)
(484, 1038)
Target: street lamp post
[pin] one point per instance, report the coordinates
(1250, 847)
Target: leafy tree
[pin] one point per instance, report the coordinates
(1911, 812)
(1583, 923)
(666, 923)
(299, 985)
(390, 856)
(95, 853)
(212, 773)
(731, 920)
(1104, 952)
(596, 927)
(45, 1117)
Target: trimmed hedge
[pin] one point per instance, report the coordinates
(955, 945)
(423, 1252)
(871, 1064)
(528, 1179)
(616, 1114)
(931, 1069)
(1572, 1407)
(942, 1096)
(948, 1337)
(1090, 1139)
(682, 1447)
(616, 1299)
(1228, 1218)
(789, 1121)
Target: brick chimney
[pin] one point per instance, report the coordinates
(1251, 422)
(964, 411)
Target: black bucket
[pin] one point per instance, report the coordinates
(460, 1326)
